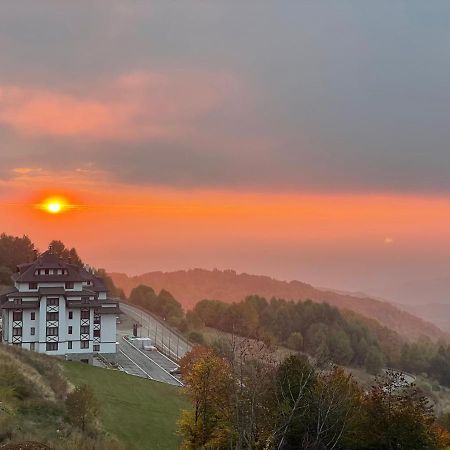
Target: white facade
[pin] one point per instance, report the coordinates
(59, 309)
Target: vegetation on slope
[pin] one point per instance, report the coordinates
(141, 413)
(191, 286)
(33, 390)
(241, 398)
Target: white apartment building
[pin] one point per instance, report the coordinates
(59, 309)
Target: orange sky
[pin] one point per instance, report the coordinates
(344, 241)
(308, 141)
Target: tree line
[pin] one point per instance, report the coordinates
(15, 250)
(241, 398)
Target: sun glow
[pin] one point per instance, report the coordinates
(54, 205)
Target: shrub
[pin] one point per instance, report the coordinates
(196, 338)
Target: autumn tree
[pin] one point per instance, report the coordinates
(397, 416)
(207, 380)
(82, 406)
(253, 392)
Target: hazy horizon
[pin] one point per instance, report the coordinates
(187, 135)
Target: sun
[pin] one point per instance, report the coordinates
(54, 205)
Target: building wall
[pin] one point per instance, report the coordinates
(107, 335)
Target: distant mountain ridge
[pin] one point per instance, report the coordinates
(191, 286)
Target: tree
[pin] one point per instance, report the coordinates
(397, 416)
(67, 255)
(374, 360)
(196, 337)
(82, 406)
(336, 404)
(109, 283)
(167, 307)
(207, 380)
(16, 250)
(143, 296)
(340, 346)
(295, 380)
(295, 341)
(5, 276)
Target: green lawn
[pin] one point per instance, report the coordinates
(141, 413)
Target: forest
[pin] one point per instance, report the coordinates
(241, 398)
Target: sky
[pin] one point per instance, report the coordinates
(302, 140)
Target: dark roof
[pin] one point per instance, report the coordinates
(48, 260)
(110, 310)
(50, 291)
(18, 294)
(4, 294)
(23, 305)
(90, 303)
(26, 273)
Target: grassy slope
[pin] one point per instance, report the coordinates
(141, 413)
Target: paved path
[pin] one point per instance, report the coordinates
(162, 336)
(146, 364)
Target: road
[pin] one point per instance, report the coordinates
(145, 364)
(162, 336)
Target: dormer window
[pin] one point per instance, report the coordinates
(32, 286)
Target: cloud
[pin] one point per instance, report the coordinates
(135, 106)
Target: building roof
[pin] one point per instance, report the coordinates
(23, 305)
(26, 273)
(29, 273)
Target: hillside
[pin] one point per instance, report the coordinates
(33, 389)
(140, 413)
(191, 286)
(134, 412)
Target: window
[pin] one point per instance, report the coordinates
(33, 316)
(52, 301)
(84, 344)
(17, 331)
(33, 331)
(96, 347)
(69, 345)
(69, 331)
(85, 314)
(97, 319)
(84, 330)
(47, 271)
(17, 316)
(32, 286)
(17, 301)
(70, 314)
(52, 316)
(69, 285)
(96, 333)
(52, 331)
(32, 346)
(51, 346)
